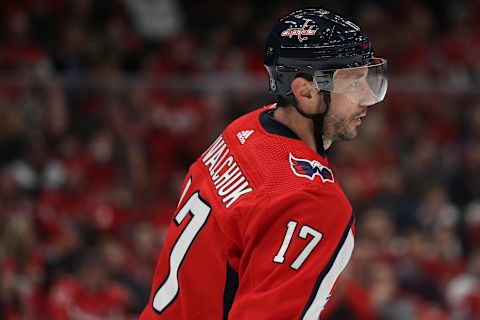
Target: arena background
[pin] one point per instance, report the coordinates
(104, 104)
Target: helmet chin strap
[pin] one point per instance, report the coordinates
(318, 120)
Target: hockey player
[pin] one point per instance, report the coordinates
(263, 229)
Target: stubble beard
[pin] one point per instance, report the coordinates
(337, 128)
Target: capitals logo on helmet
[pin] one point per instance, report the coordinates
(308, 169)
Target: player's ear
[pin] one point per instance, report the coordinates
(305, 94)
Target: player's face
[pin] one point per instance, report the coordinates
(344, 118)
(349, 103)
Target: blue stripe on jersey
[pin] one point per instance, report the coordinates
(231, 286)
(327, 268)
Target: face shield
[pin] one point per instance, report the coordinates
(364, 85)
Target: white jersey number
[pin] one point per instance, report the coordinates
(304, 232)
(200, 211)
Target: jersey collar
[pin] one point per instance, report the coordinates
(273, 126)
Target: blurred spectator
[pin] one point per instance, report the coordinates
(463, 292)
(90, 293)
(19, 54)
(465, 179)
(472, 222)
(155, 19)
(36, 170)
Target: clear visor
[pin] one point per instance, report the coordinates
(364, 85)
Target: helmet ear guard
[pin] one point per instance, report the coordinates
(272, 78)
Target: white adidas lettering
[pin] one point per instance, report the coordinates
(243, 135)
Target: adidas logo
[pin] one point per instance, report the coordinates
(243, 135)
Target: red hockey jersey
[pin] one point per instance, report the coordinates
(262, 230)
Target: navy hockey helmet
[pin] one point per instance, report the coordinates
(330, 49)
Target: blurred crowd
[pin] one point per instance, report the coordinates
(104, 104)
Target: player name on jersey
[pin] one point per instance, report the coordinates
(227, 177)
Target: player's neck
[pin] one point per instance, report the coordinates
(302, 126)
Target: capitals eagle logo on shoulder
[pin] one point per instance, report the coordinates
(308, 169)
